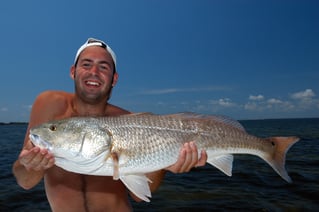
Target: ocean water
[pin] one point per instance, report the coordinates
(254, 186)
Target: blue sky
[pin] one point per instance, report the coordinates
(244, 59)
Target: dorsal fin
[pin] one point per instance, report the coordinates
(139, 114)
(217, 118)
(229, 121)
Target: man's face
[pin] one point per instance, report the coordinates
(94, 74)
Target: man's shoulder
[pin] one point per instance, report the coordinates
(54, 95)
(53, 100)
(113, 110)
(51, 104)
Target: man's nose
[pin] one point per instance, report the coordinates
(95, 69)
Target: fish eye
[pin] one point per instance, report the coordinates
(52, 127)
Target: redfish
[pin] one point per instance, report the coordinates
(129, 146)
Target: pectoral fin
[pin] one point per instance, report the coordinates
(138, 184)
(116, 172)
(223, 162)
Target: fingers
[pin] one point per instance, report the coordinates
(43, 160)
(188, 159)
(203, 158)
(176, 168)
(191, 157)
(36, 159)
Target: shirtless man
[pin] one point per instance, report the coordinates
(94, 74)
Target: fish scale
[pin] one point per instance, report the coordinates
(129, 146)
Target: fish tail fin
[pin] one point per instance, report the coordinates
(277, 159)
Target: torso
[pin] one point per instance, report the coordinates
(68, 191)
(75, 192)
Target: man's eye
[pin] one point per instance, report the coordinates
(86, 65)
(103, 67)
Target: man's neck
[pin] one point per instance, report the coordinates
(82, 108)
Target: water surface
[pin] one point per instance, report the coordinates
(254, 186)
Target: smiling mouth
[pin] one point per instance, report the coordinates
(92, 83)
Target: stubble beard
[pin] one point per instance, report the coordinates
(93, 98)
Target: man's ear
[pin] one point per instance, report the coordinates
(115, 78)
(72, 72)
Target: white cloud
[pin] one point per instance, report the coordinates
(180, 90)
(304, 100)
(28, 107)
(279, 105)
(293, 104)
(274, 101)
(302, 95)
(268, 105)
(251, 106)
(162, 91)
(224, 102)
(4, 109)
(256, 98)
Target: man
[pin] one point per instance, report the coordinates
(94, 74)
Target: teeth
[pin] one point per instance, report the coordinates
(92, 83)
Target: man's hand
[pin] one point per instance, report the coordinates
(188, 158)
(36, 159)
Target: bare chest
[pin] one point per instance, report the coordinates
(66, 190)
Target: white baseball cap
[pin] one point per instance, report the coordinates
(95, 42)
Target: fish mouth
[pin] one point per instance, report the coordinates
(38, 141)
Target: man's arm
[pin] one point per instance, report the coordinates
(30, 167)
(32, 162)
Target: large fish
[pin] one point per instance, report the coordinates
(126, 147)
